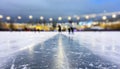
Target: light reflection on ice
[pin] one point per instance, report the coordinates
(61, 58)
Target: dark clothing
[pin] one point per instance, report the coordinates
(71, 29)
(59, 28)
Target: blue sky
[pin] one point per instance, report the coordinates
(55, 8)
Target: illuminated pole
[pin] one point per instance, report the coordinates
(8, 18)
(30, 17)
(114, 16)
(104, 18)
(19, 18)
(41, 18)
(78, 19)
(69, 18)
(1, 17)
(70, 21)
(87, 17)
(59, 18)
(50, 19)
(53, 23)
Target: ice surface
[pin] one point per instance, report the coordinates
(77, 48)
(104, 44)
(11, 42)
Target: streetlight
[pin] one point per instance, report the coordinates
(8, 18)
(87, 17)
(114, 16)
(50, 19)
(30, 17)
(19, 17)
(1, 16)
(41, 17)
(104, 17)
(78, 18)
(69, 18)
(59, 18)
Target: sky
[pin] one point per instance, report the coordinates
(55, 8)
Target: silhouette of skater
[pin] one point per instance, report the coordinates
(70, 29)
(59, 28)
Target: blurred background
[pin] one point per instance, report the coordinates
(100, 22)
(44, 15)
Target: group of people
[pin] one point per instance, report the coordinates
(70, 28)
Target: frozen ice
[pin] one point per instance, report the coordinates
(92, 49)
(12, 42)
(104, 44)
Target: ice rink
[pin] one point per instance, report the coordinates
(53, 50)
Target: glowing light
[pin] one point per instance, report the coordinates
(50, 19)
(104, 17)
(8, 17)
(114, 16)
(87, 17)
(1, 16)
(89, 25)
(59, 18)
(19, 17)
(78, 18)
(30, 17)
(41, 17)
(69, 18)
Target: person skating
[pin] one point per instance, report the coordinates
(70, 29)
(59, 28)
